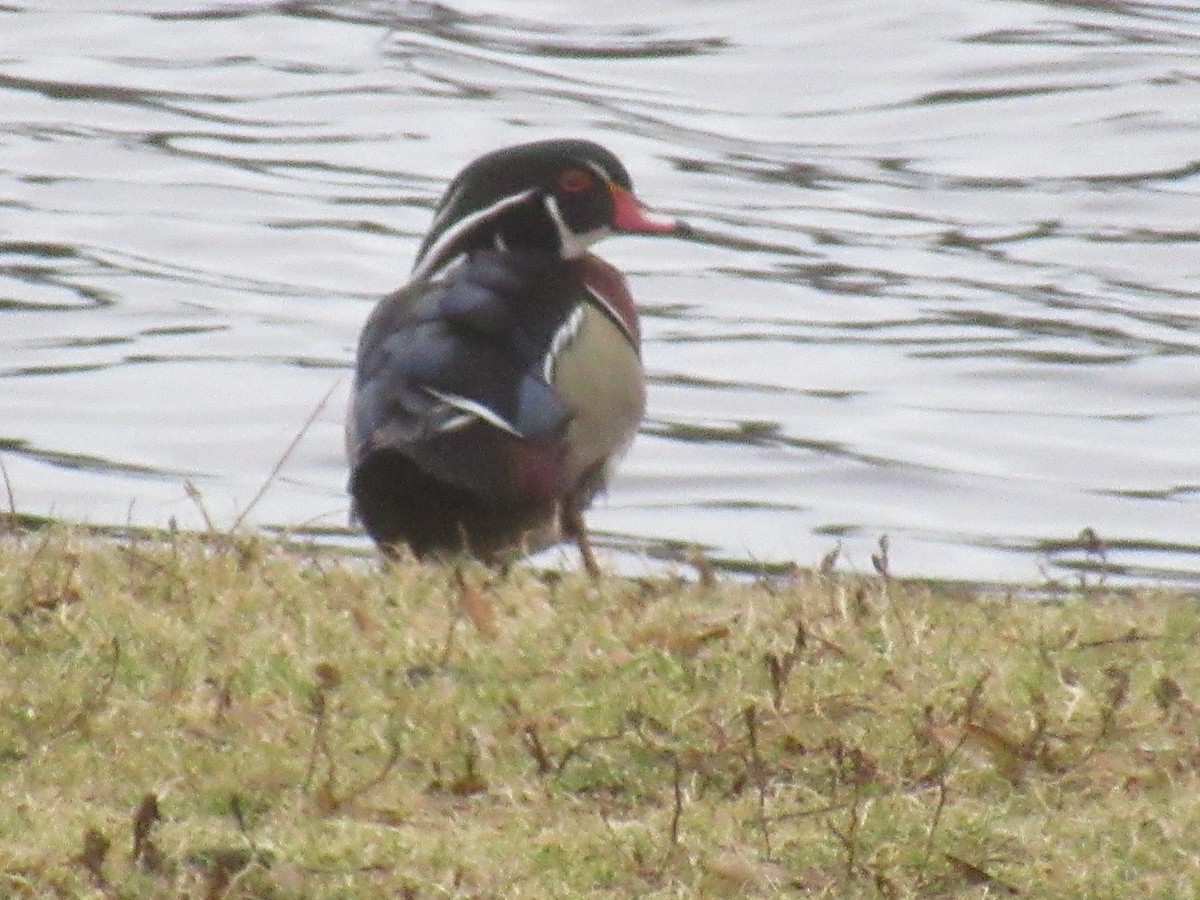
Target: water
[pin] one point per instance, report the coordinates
(948, 289)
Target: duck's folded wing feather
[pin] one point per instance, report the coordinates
(450, 375)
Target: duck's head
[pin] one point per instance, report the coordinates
(560, 195)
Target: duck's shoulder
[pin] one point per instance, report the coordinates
(499, 296)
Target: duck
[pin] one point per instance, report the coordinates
(495, 392)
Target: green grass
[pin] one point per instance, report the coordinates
(232, 718)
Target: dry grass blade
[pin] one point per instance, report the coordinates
(705, 570)
(287, 454)
(197, 499)
(12, 500)
(882, 560)
(829, 560)
(95, 702)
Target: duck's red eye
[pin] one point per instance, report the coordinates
(575, 181)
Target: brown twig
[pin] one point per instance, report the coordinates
(759, 773)
(147, 814)
(319, 706)
(239, 818)
(379, 777)
(677, 811)
(537, 750)
(849, 838)
(943, 768)
(575, 749)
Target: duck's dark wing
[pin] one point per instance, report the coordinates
(450, 389)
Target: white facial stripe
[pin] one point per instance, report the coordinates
(447, 207)
(599, 170)
(432, 260)
(573, 245)
(472, 408)
(562, 339)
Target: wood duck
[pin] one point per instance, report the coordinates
(495, 391)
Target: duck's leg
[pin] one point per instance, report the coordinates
(575, 528)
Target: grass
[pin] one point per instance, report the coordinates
(232, 718)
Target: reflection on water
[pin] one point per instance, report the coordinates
(945, 284)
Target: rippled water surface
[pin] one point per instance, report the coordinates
(948, 288)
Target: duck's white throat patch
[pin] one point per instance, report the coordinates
(572, 245)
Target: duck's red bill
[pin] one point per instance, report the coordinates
(630, 216)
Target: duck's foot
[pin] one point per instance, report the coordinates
(575, 528)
